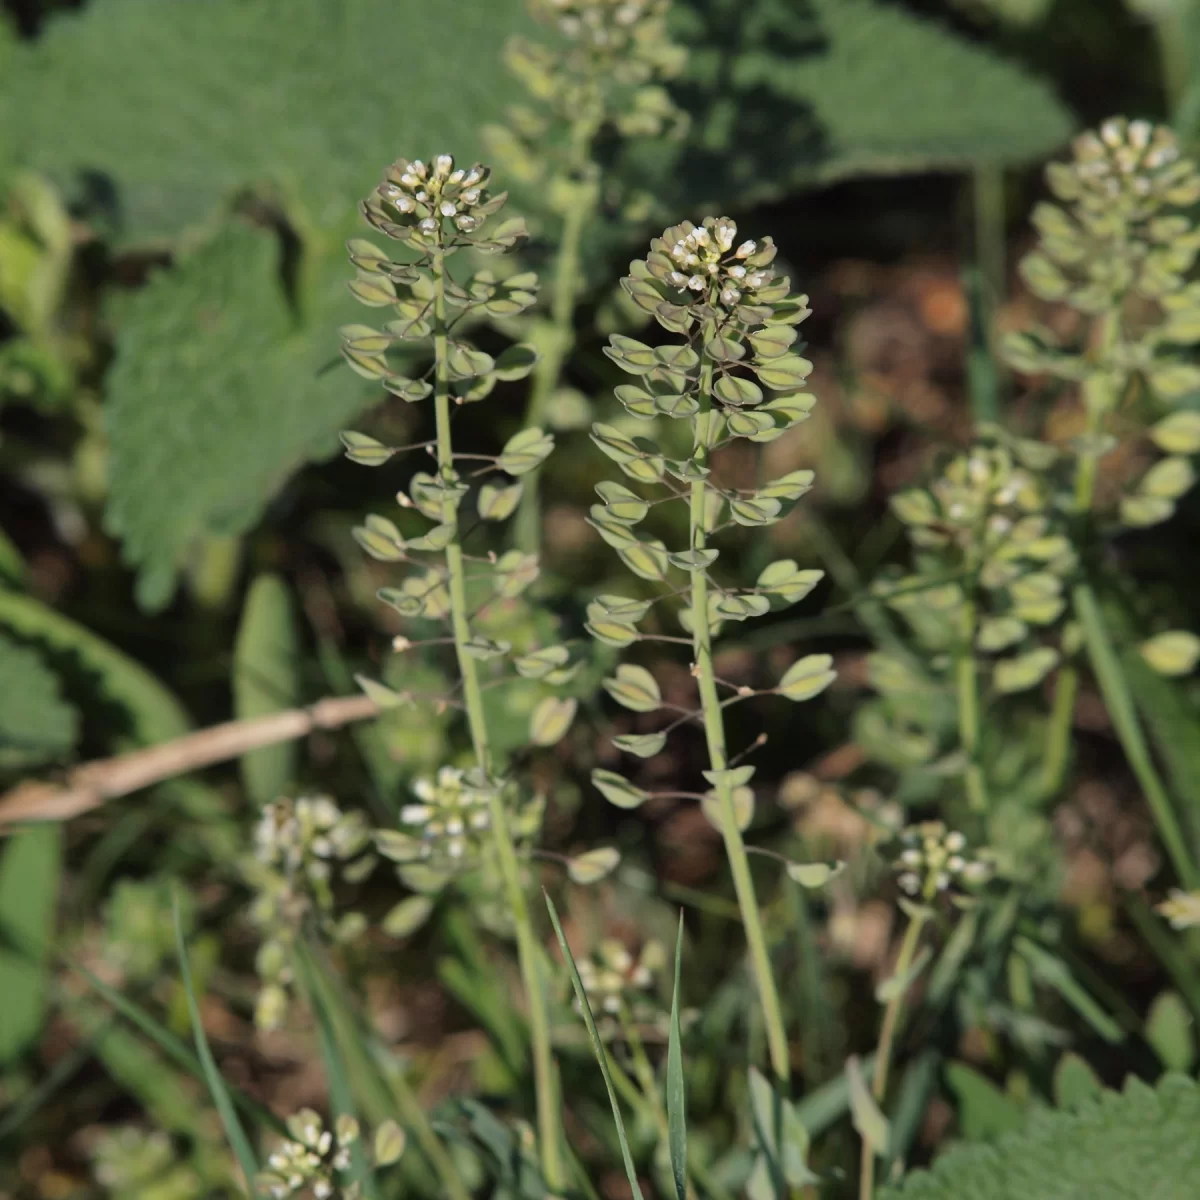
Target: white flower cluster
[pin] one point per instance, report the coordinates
(934, 860)
(306, 837)
(1181, 908)
(612, 976)
(704, 260)
(437, 193)
(452, 817)
(603, 24)
(311, 1159)
(1132, 161)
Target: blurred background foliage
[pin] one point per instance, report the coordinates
(177, 180)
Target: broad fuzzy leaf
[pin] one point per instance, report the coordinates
(1138, 1142)
(175, 104)
(213, 401)
(813, 96)
(36, 724)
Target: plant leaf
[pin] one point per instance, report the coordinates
(597, 1049)
(217, 1088)
(266, 679)
(676, 1090)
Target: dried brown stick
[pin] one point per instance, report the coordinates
(91, 784)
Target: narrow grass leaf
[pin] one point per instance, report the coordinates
(676, 1092)
(597, 1049)
(212, 1076)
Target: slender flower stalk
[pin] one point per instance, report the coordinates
(437, 210)
(739, 319)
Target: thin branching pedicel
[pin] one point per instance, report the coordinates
(603, 78)
(437, 210)
(738, 322)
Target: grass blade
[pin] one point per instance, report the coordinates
(238, 1141)
(172, 1046)
(1123, 712)
(597, 1049)
(676, 1094)
(341, 1094)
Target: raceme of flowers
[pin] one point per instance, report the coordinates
(1119, 249)
(989, 546)
(315, 1161)
(933, 859)
(301, 847)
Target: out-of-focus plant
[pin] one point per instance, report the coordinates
(302, 848)
(319, 1162)
(600, 76)
(1118, 250)
(735, 320)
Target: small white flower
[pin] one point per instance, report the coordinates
(730, 296)
(909, 883)
(955, 842)
(409, 180)
(465, 222)
(417, 167)
(429, 225)
(322, 1189)
(737, 272)
(697, 283)
(457, 176)
(447, 208)
(677, 279)
(471, 196)
(444, 164)
(746, 249)
(726, 231)
(415, 814)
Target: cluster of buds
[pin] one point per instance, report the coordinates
(706, 261)
(619, 984)
(447, 835)
(934, 859)
(1124, 232)
(1119, 250)
(301, 847)
(1181, 908)
(439, 200)
(131, 1162)
(436, 210)
(704, 274)
(990, 514)
(617, 53)
(315, 1159)
(451, 819)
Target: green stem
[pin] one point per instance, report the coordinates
(966, 674)
(1058, 735)
(1123, 712)
(887, 1040)
(1066, 691)
(987, 193)
(557, 341)
(714, 732)
(549, 1131)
